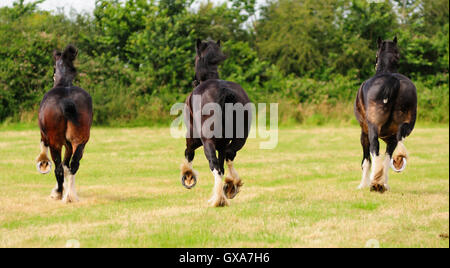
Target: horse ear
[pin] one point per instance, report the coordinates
(197, 45)
(56, 55)
(70, 53)
(395, 40)
(218, 43)
(379, 41)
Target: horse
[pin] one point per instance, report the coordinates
(209, 89)
(386, 108)
(65, 119)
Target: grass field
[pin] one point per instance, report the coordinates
(301, 194)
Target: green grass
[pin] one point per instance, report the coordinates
(301, 194)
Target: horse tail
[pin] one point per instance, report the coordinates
(389, 89)
(69, 110)
(227, 96)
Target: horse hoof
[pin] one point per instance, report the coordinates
(44, 167)
(230, 189)
(218, 201)
(393, 165)
(70, 198)
(189, 181)
(55, 195)
(378, 188)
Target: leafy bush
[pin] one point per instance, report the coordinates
(136, 57)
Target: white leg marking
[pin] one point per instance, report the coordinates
(66, 172)
(218, 198)
(188, 164)
(365, 180)
(70, 194)
(377, 167)
(44, 149)
(66, 178)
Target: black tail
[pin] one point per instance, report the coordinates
(227, 96)
(389, 89)
(69, 110)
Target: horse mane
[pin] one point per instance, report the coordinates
(206, 66)
(66, 58)
(387, 49)
(69, 55)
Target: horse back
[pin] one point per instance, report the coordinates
(214, 89)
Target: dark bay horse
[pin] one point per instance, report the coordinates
(65, 119)
(228, 138)
(386, 107)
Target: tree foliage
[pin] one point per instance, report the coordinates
(137, 56)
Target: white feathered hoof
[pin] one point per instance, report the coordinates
(376, 187)
(44, 167)
(218, 201)
(398, 166)
(55, 195)
(188, 175)
(231, 188)
(70, 197)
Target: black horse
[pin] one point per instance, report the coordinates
(210, 90)
(385, 107)
(65, 119)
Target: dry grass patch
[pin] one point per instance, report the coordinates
(301, 194)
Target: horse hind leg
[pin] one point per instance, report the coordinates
(391, 143)
(66, 163)
(366, 163)
(57, 192)
(377, 174)
(233, 182)
(70, 195)
(188, 174)
(218, 199)
(398, 162)
(43, 163)
(400, 155)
